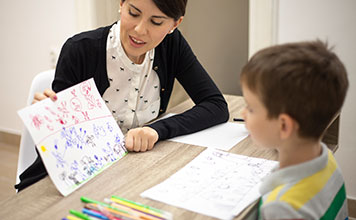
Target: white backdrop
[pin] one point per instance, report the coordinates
(31, 34)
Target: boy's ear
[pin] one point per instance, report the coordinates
(287, 126)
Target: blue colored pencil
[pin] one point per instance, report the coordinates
(94, 214)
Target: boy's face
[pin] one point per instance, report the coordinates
(263, 131)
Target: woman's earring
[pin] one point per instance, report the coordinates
(171, 31)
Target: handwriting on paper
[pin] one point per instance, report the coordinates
(76, 136)
(215, 183)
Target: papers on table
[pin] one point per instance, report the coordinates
(215, 183)
(223, 136)
(76, 136)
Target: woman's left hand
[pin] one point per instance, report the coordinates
(141, 139)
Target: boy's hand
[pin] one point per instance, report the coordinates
(141, 139)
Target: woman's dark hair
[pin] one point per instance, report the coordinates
(172, 8)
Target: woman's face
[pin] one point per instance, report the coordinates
(143, 27)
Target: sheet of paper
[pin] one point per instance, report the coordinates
(223, 136)
(76, 136)
(215, 183)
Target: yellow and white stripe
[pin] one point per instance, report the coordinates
(320, 195)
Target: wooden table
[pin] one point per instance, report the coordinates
(128, 177)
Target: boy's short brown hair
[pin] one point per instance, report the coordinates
(305, 80)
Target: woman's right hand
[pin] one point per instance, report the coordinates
(48, 93)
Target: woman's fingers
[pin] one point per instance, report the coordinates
(48, 93)
(51, 94)
(137, 143)
(38, 97)
(141, 139)
(129, 141)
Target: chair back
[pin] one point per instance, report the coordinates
(27, 152)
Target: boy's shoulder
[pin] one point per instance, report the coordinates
(296, 191)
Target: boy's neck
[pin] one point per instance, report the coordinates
(297, 152)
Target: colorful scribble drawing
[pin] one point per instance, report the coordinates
(76, 105)
(56, 117)
(109, 152)
(99, 131)
(49, 123)
(77, 137)
(85, 88)
(89, 166)
(110, 128)
(89, 140)
(59, 157)
(36, 121)
(93, 102)
(63, 110)
(75, 119)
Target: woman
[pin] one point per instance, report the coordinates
(134, 63)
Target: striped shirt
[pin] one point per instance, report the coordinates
(311, 190)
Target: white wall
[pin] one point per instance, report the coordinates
(96, 13)
(334, 21)
(262, 24)
(29, 31)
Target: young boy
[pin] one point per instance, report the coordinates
(293, 91)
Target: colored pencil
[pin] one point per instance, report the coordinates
(141, 207)
(114, 212)
(79, 214)
(70, 217)
(95, 214)
(141, 214)
(87, 200)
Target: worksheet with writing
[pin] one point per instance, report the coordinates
(216, 183)
(76, 136)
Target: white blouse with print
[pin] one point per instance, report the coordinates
(133, 96)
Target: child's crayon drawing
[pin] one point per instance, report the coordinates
(76, 136)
